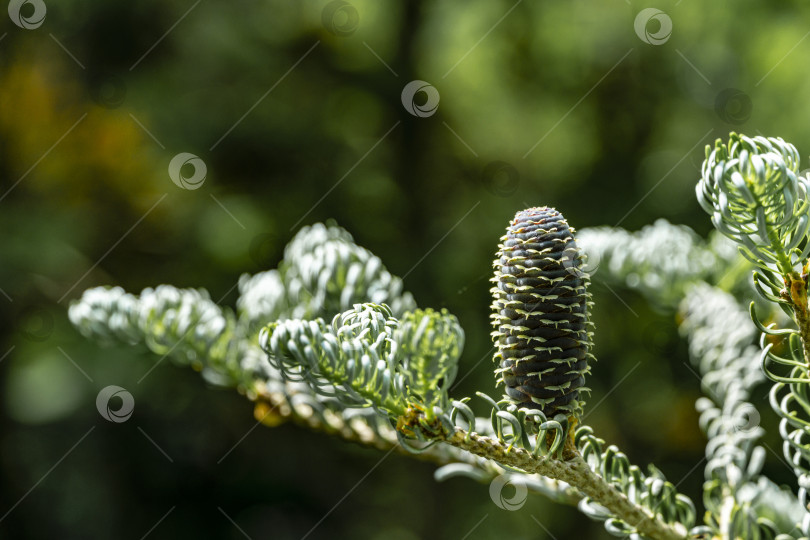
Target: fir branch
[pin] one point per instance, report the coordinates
(577, 473)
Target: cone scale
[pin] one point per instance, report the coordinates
(540, 314)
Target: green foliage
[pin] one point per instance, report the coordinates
(182, 323)
(652, 491)
(186, 326)
(757, 197)
(634, 127)
(430, 345)
(720, 335)
(368, 358)
(752, 189)
(323, 273)
(381, 375)
(659, 261)
(662, 260)
(351, 360)
(330, 375)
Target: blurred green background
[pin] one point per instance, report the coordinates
(295, 108)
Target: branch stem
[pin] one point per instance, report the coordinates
(797, 290)
(796, 286)
(275, 408)
(576, 472)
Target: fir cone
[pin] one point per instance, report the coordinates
(540, 314)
